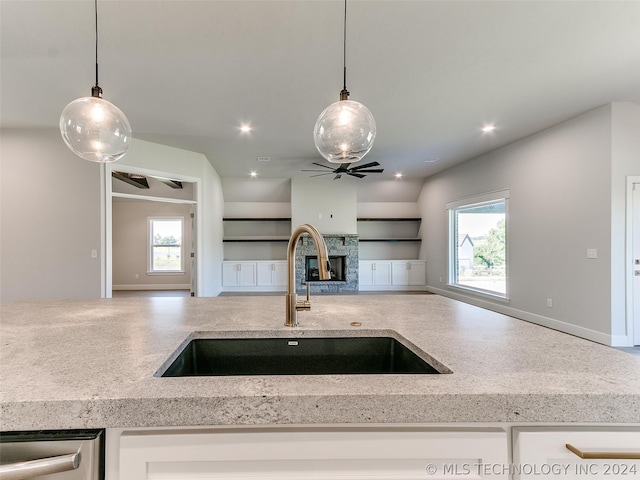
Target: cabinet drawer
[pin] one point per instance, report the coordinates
(609, 452)
(318, 453)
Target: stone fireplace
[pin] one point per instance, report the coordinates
(343, 256)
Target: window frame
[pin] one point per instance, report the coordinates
(151, 245)
(468, 202)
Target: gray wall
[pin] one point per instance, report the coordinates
(560, 183)
(130, 239)
(50, 206)
(50, 219)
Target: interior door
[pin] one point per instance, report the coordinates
(635, 258)
(193, 252)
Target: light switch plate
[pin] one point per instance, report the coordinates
(592, 253)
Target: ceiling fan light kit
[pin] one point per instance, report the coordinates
(346, 129)
(93, 128)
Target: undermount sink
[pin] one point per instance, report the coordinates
(297, 356)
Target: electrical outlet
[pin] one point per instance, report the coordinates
(94, 253)
(592, 253)
(549, 303)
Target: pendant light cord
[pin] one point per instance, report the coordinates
(96, 91)
(344, 94)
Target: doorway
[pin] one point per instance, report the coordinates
(136, 199)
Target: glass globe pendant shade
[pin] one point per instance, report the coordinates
(344, 132)
(95, 129)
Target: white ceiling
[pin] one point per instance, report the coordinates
(188, 73)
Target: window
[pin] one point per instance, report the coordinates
(478, 244)
(165, 245)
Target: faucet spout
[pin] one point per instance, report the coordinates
(293, 305)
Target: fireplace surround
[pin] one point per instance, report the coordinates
(343, 249)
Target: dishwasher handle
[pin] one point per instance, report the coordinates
(42, 466)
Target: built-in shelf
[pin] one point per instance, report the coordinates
(247, 219)
(257, 239)
(389, 239)
(394, 219)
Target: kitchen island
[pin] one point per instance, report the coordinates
(92, 364)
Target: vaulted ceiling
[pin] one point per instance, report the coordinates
(189, 73)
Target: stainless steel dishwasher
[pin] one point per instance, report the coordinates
(52, 455)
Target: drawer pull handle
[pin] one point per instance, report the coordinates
(43, 466)
(604, 455)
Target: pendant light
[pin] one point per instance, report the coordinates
(93, 128)
(345, 130)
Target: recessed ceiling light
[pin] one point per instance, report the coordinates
(398, 175)
(488, 128)
(432, 160)
(254, 173)
(245, 128)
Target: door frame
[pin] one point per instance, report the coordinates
(632, 324)
(107, 195)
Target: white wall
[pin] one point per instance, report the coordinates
(49, 220)
(626, 162)
(130, 240)
(191, 166)
(563, 183)
(331, 206)
(560, 196)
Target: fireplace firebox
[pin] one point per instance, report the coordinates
(338, 268)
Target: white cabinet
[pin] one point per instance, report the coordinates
(375, 273)
(254, 276)
(546, 451)
(238, 274)
(272, 274)
(392, 275)
(312, 452)
(410, 272)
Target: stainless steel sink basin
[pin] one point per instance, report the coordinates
(297, 356)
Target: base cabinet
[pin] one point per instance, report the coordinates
(248, 276)
(392, 275)
(557, 452)
(318, 453)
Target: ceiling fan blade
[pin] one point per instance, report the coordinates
(360, 167)
(320, 174)
(359, 175)
(313, 171)
(337, 176)
(375, 170)
(324, 166)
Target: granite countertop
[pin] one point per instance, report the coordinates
(90, 364)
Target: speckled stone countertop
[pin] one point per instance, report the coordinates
(86, 364)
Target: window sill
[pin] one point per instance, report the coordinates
(486, 294)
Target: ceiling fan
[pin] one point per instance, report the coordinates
(358, 171)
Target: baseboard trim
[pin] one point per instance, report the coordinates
(578, 331)
(153, 286)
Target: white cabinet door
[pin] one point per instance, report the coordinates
(382, 273)
(238, 274)
(247, 274)
(408, 272)
(544, 451)
(400, 273)
(272, 274)
(264, 272)
(280, 274)
(314, 453)
(365, 275)
(229, 274)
